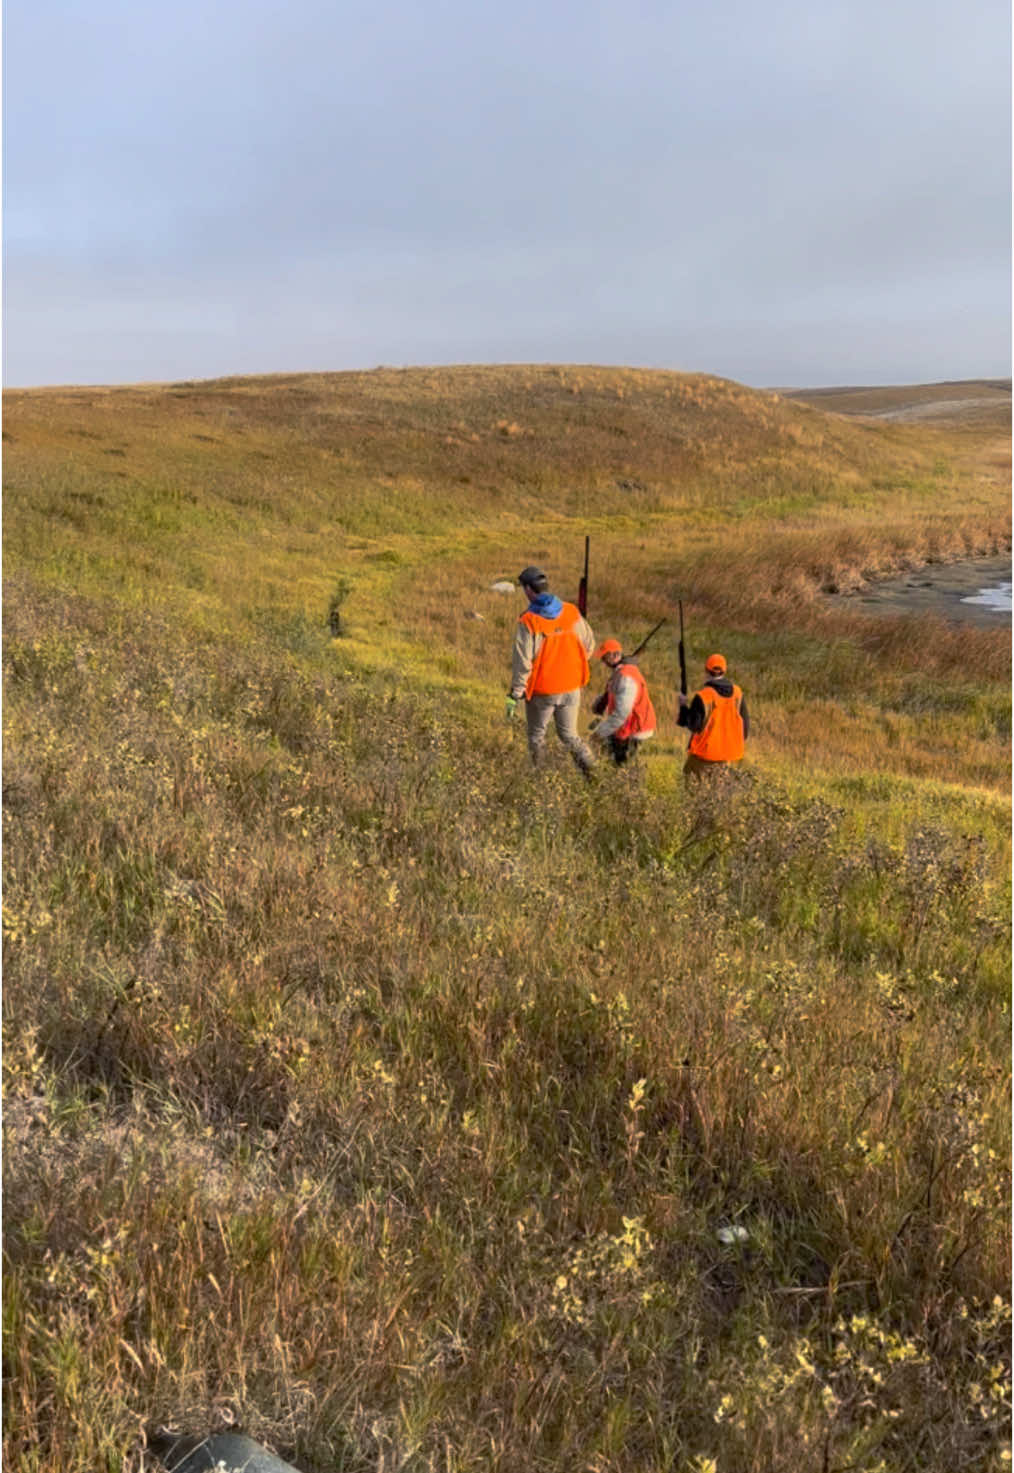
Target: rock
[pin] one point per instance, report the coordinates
(730, 1235)
(230, 1451)
(502, 587)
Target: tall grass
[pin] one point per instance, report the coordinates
(418, 1111)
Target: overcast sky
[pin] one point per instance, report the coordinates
(798, 192)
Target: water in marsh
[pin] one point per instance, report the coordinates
(997, 598)
(977, 591)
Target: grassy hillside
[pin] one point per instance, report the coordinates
(981, 405)
(420, 1112)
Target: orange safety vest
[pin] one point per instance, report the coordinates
(642, 717)
(721, 738)
(561, 660)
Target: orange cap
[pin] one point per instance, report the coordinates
(609, 647)
(715, 663)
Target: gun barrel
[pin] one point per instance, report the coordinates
(582, 587)
(634, 654)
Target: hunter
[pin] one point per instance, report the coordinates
(717, 720)
(552, 643)
(628, 717)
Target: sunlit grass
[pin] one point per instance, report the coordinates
(401, 1101)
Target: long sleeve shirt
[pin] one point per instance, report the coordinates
(623, 689)
(695, 716)
(526, 647)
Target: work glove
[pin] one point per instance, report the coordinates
(600, 702)
(510, 708)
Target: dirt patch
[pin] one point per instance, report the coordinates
(937, 588)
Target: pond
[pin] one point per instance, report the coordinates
(997, 598)
(976, 591)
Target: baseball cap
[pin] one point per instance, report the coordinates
(609, 647)
(532, 577)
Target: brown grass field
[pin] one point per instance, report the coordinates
(413, 1110)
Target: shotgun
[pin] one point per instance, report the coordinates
(683, 655)
(634, 653)
(582, 587)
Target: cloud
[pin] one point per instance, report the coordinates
(455, 177)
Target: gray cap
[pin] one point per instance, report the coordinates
(532, 577)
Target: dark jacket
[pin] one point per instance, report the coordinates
(695, 715)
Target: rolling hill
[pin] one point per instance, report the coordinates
(403, 1107)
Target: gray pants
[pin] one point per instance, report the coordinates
(563, 709)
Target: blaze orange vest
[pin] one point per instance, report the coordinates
(561, 660)
(642, 717)
(721, 739)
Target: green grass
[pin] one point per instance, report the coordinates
(396, 1100)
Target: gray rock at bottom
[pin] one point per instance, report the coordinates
(228, 1451)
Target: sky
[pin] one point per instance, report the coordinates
(794, 193)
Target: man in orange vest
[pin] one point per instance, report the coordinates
(552, 643)
(629, 716)
(717, 720)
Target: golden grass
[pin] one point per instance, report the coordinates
(401, 1101)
